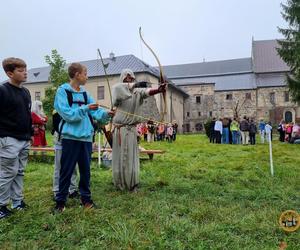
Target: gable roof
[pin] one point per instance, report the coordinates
(265, 57)
(225, 67)
(235, 74)
(94, 68)
(222, 82)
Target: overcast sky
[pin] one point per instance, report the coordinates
(179, 31)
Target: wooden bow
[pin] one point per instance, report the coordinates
(161, 74)
(107, 134)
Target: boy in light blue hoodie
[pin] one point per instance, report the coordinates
(77, 110)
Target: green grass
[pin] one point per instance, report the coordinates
(195, 196)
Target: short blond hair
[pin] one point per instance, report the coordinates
(75, 68)
(11, 63)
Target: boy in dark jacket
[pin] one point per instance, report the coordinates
(15, 135)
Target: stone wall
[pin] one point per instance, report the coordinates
(198, 107)
(270, 104)
(235, 103)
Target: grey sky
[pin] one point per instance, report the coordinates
(179, 31)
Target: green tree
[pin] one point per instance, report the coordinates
(58, 75)
(289, 50)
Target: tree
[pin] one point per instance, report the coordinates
(237, 106)
(289, 49)
(58, 75)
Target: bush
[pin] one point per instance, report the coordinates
(207, 125)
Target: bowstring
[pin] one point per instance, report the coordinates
(135, 115)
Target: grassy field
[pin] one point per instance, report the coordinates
(195, 196)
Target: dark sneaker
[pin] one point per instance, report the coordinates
(4, 212)
(59, 207)
(88, 204)
(74, 195)
(134, 189)
(22, 206)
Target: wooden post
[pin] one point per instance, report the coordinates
(271, 156)
(99, 148)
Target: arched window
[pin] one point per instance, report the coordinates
(288, 116)
(199, 127)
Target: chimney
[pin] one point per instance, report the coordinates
(112, 56)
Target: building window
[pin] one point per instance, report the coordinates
(288, 116)
(186, 127)
(199, 113)
(229, 97)
(210, 113)
(100, 93)
(286, 96)
(198, 99)
(248, 96)
(272, 98)
(37, 96)
(199, 127)
(188, 114)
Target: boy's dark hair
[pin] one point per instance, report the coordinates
(75, 68)
(11, 63)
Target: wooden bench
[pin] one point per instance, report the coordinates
(149, 152)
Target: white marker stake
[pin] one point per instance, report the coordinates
(271, 157)
(99, 149)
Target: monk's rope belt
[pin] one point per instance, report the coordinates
(119, 126)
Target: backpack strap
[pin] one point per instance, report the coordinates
(85, 98)
(89, 115)
(70, 101)
(60, 129)
(70, 97)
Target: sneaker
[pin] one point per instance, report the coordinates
(21, 206)
(74, 195)
(4, 212)
(59, 207)
(88, 204)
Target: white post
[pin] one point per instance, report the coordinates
(271, 157)
(99, 149)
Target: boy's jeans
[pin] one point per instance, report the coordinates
(234, 136)
(225, 136)
(57, 167)
(262, 136)
(13, 159)
(75, 152)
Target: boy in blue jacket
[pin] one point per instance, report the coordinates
(77, 109)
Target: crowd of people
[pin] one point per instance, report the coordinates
(151, 131)
(243, 131)
(289, 132)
